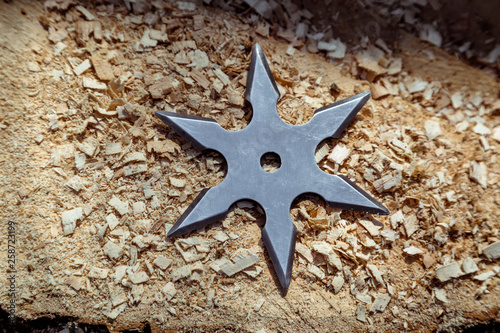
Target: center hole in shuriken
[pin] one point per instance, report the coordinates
(270, 162)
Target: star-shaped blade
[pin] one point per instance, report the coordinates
(276, 191)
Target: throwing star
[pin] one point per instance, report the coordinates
(274, 191)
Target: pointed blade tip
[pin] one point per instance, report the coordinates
(384, 211)
(172, 233)
(378, 209)
(366, 93)
(256, 47)
(164, 115)
(176, 230)
(259, 59)
(363, 98)
(285, 283)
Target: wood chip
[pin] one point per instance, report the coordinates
(373, 230)
(339, 154)
(262, 29)
(98, 273)
(431, 35)
(76, 282)
(414, 85)
(200, 78)
(440, 295)
(181, 272)
(217, 264)
(199, 59)
(69, 219)
(253, 271)
(235, 98)
(377, 275)
(492, 251)
(183, 45)
(369, 60)
(139, 277)
(198, 22)
(134, 169)
(496, 133)
(113, 148)
(485, 276)
(337, 283)
(241, 262)
(116, 311)
(102, 67)
(158, 35)
(80, 161)
(469, 266)
(138, 207)
(161, 87)
(395, 67)
(84, 66)
(432, 129)
(326, 46)
(222, 76)
(396, 219)
(88, 146)
(361, 313)
(479, 173)
(316, 271)
(447, 272)
(88, 16)
(428, 260)
(340, 49)
(411, 225)
(177, 182)
(378, 91)
(169, 291)
(120, 206)
(389, 235)
(56, 36)
(162, 262)
(457, 100)
(118, 298)
(304, 251)
(326, 250)
(364, 298)
(189, 255)
(164, 146)
(93, 84)
(113, 251)
(321, 153)
(146, 41)
(112, 221)
(481, 129)
(75, 183)
(220, 236)
(413, 250)
(380, 303)
(386, 183)
(120, 273)
(182, 58)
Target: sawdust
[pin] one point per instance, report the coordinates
(95, 181)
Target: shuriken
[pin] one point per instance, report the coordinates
(276, 191)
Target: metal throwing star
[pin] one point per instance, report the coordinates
(275, 192)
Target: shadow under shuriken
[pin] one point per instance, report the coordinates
(259, 214)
